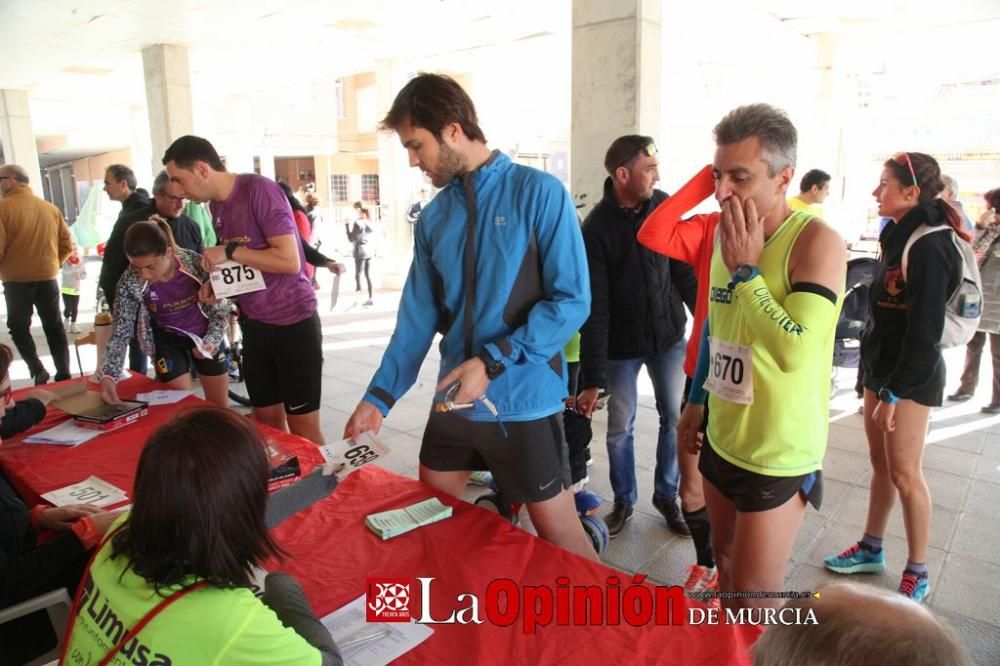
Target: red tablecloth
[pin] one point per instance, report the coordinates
(38, 468)
(332, 553)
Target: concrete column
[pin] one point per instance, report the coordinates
(395, 178)
(68, 184)
(18, 138)
(266, 158)
(168, 97)
(54, 177)
(616, 84)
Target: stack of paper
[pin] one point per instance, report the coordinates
(399, 521)
(66, 433)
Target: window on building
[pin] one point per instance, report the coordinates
(338, 186)
(369, 187)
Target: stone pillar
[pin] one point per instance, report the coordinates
(17, 136)
(396, 179)
(68, 184)
(266, 158)
(617, 83)
(168, 97)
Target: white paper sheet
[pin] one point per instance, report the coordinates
(66, 433)
(90, 491)
(335, 291)
(164, 397)
(348, 624)
(199, 343)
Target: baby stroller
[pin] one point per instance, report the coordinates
(854, 315)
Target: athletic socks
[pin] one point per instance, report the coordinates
(917, 569)
(701, 533)
(870, 543)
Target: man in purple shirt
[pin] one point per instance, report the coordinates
(282, 336)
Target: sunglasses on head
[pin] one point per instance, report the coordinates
(904, 158)
(649, 150)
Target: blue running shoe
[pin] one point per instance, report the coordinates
(915, 587)
(856, 560)
(480, 478)
(587, 503)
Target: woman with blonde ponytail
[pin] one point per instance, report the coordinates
(157, 300)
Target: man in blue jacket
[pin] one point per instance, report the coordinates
(499, 269)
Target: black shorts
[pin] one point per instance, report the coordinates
(931, 394)
(284, 364)
(530, 464)
(752, 492)
(174, 358)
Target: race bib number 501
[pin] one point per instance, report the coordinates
(232, 279)
(730, 371)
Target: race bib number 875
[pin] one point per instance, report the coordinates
(232, 279)
(730, 371)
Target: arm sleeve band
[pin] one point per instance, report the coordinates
(698, 395)
(792, 332)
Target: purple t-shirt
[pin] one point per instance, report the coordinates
(256, 210)
(174, 304)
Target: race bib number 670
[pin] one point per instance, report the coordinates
(730, 371)
(232, 279)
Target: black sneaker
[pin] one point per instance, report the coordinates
(672, 513)
(620, 514)
(992, 408)
(42, 377)
(960, 396)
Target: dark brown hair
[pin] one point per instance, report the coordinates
(623, 150)
(150, 238)
(993, 199)
(200, 499)
(432, 101)
(188, 149)
(6, 358)
(928, 175)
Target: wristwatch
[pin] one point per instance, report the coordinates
(887, 396)
(494, 368)
(743, 273)
(230, 249)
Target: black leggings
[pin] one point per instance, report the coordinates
(72, 306)
(366, 263)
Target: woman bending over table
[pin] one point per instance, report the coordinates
(157, 301)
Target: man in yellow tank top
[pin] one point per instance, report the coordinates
(777, 281)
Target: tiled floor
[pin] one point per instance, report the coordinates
(962, 465)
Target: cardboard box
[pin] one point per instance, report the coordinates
(90, 411)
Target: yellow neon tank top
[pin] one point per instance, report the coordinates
(784, 431)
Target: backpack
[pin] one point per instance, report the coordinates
(965, 305)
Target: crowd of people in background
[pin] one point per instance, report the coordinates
(742, 404)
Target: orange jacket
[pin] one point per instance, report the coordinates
(691, 240)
